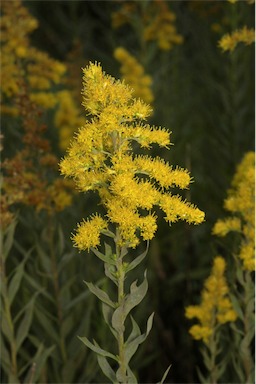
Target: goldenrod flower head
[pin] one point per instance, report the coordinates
(100, 158)
(157, 22)
(160, 27)
(20, 62)
(67, 117)
(241, 203)
(244, 35)
(88, 232)
(133, 74)
(215, 308)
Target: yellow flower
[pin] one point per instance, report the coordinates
(244, 35)
(222, 227)
(215, 308)
(100, 158)
(241, 203)
(21, 63)
(133, 73)
(88, 233)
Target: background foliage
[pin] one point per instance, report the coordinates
(206, 98)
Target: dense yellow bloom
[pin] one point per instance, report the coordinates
(133, 73)
(158, 22)
(244, 35)
(22, 64)
(67, 117)
(160, 27)
(222, 227)
(100, 158)
(215, 307)
(241, 203)
(88, 233)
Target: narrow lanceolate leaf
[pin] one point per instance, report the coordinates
(131, 377)
(132, 346)
(135, 331)
(110, 272)
(105, 258)
(25, 324)
(97, 349)
(137, 294)
(138, 260)
(16, 279)
(103, 296)
(165, 375)
(8, 239)
(107, 314)
(105, 367)
(5, 356)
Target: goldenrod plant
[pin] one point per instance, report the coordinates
(240, 204)
(245, 35)
(100, 158)
(214, 310)
(231, 301)
(133, 73)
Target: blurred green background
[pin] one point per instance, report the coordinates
(206, 98)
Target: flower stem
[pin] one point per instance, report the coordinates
(121, 294)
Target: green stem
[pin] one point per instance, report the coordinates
(121, 277)
(55, 280)
(246, 356)
(8, 315)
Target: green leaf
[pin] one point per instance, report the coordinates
(165, 374)
(105, 258)
(110, 271)
(15, 282)
(103, 296)
(97, 349)
(107, 314)
(43, 319)
(106, 369)
(38, 363)
(8, 239)
(135, 331)
(237, 306)
(25, 324)
(5, 356)
(138, 260)
(137, 294)
(131, 377)
(132, 346)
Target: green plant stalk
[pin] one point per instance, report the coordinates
(213, 349)
(8, 315)
(120, 281)
(247, 360)
(55, 279)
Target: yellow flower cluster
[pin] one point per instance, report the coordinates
(215, 308)
(19, 60)
(67, 117)
(156, 18)
(100, 158)
(133, 73)
(160, 27)
(241, 203)
(244, 35)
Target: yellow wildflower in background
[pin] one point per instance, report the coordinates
(22, 64)
(215, 307)
(157, 21)
(241, 203)
(229, 41)
(160, 26)
(67, 117)
(100, 158)
(133, 73)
